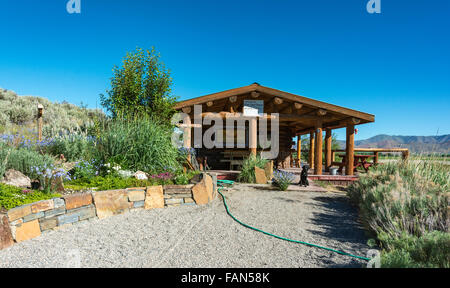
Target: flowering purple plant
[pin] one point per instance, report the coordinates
(282, 179)
(85, 169)
(163, 176)
(21, 141)
(27, 191)
(48, 173)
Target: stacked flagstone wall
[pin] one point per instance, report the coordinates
(29, 221)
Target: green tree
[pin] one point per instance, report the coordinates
(305, 147)
(141, 85)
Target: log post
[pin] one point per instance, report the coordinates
(187, 136)
(39, 120)
(328, 142)
(311, 149)
(318, 155)
(375, 158)
(350, 149)
(405, 155)
(253, 136)
(299, 151)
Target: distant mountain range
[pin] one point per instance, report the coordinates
(416, 144)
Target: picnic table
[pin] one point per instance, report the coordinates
(359, 161)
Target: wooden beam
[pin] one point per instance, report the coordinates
(225, 114)
(322, 112)
(298, 106)
(232, 99)
(209, 103)
(187, 136)
(277, 100)
(255, 94)
(365, 117)
(186, 109)
(40, 108)
(304, 131)
(318, 150)
(315, 103)
(328, 142)
(356, 121)
(287, 110)
(253, 134)
(349, 149)
(311, 149)
(299, 151)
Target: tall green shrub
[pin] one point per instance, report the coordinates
(139, 143)
(25, 161)
(247, 174)
(141, 85)
(405, 204)
(73, 147)
(4, 155)
(431, 250)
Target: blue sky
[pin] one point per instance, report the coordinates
(395, 65)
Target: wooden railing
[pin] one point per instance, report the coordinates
(375, 151)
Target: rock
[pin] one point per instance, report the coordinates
(42, 206)
(58, 202)
(17, 179)
(109, 203)
(135, 195)
(200, 193)
(188, 200)
(55, 212)
(178, 189)
(186, 195)
(46, 224)
(139, 204)
(32, 217)
(67, 219)
(214, 179)
(83, 213)
(77, 200)
(260, 176)
(268, 168)
(141, 175)
(6, 238)
(208, 180)
(196, 179)
(19, 212)
(174, 201)
(27, 231)
(154, 198)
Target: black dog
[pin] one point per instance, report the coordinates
(304, 176)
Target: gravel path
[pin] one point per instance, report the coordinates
(206, 236)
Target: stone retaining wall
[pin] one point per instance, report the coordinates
(29, 221)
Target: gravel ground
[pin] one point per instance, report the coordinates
(194, 236)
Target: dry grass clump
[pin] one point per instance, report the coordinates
(407, 202)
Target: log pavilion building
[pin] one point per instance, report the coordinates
(298, 116)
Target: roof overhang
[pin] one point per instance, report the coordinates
(342, 116)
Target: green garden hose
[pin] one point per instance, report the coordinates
(221, 183)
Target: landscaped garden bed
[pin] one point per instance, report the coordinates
(29, 221)
(95, 164)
